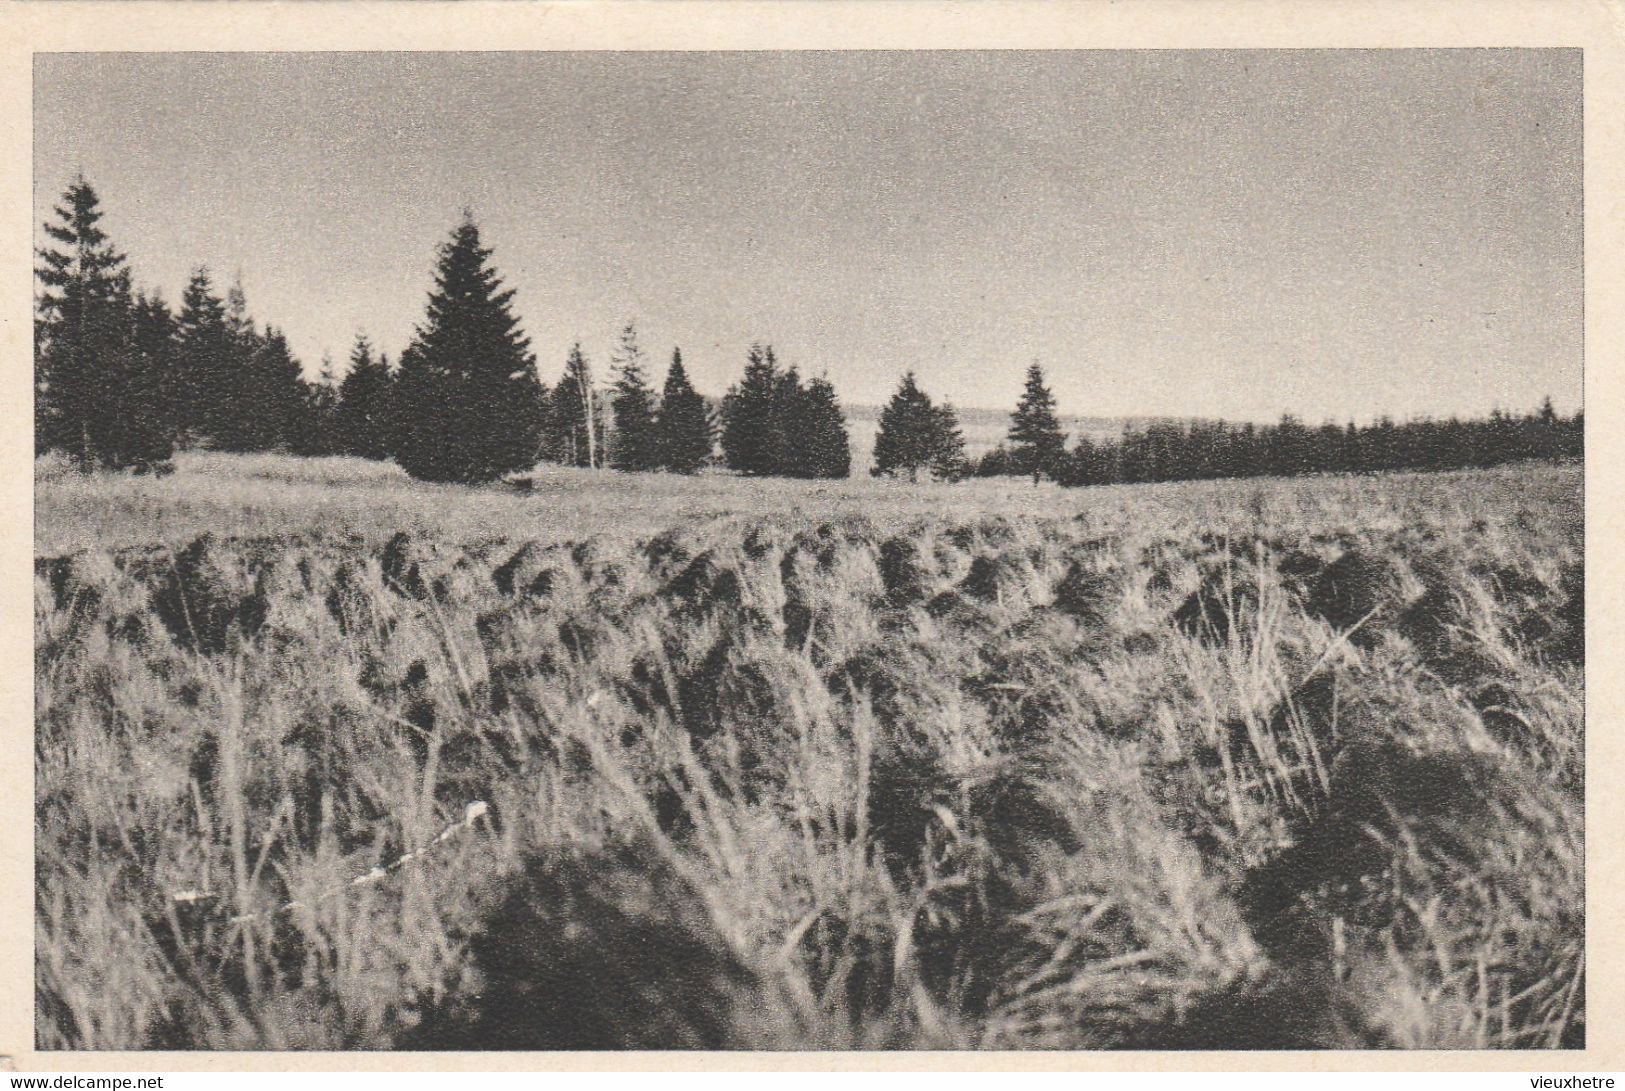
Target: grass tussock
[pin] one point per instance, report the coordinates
(1291, 765)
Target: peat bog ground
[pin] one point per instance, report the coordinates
(1265, 764)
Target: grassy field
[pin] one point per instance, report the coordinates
(329, 759)
(262, 495)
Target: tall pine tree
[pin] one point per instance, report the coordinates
(96, 392)
(575, 417)
(773, 424)
(948, 461)
(271, 395)
(241, 424)
(634, 444)
(365, 403)
(916, 435)
(469, 396)
(907, 424)
(1037, 446)
(683, 425)
(753, 429)
(153, 400)
(204, 354)
(823, 447)
(258, 383)
(790, 414)
(317, 430)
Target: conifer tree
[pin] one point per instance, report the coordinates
(635, 445)
(823, 446)
(683, 424)
(1036, 444)
(908, 440)
(153, 399)
(317, 429)
(753, 430)
(365, 409)
(241, 421)
(575, 417)
(77, 324)
(795, 450)
(270, 395)
(256, 384)
(948, 461)
(773, 424)
(96, 392)
(469, 396)
(204, 351)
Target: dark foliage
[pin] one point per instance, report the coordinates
(316, 431)
(1195, 450)
(1037, 446)
(208, 349)
(635, 444)
(774, 425)
(753, 418)
(470, 401)
(148, 427)
(366, 410)
(269, 395)
(997, 463)
(684, 432)
(235, 388)
(99, 354)
(916, 435)
(823, 448)
(574, 433)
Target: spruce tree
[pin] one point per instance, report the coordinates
(796, 447)
(1036, 444)
(96, 393)
(469, 396)
(906, 443)
(683, 423)
(266, 393)
(152, 400)
(242, 423)
(948, 461)
(820, 427)
(316, 432)
(753, 430)
(204, 352)
(635, 445)
(256, 381)
(77, 323)
(559, 417)
(282, 387)
(575, 417)
(365, 409)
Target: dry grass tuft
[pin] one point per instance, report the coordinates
(1292, 765)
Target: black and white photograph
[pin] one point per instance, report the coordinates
(815, 550)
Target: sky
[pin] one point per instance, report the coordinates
(1236, 234)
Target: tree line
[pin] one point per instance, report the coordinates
(1188, 450)
(1178, 451)
(918, 437)
(121, 381)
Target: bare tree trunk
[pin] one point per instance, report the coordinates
(587, 414)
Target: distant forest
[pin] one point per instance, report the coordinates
(122, 380)
(1196, 450)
